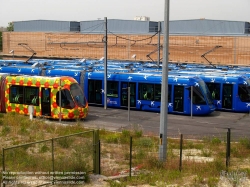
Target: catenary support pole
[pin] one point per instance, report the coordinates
(159, 43)
(191, 102)
(164, 87)
(128, 103)
(105, 61)
(130, 157)
(60, 100)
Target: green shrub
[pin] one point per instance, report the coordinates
(156, 163)
(23, 130)
(192, 145)
(6, 130)
(112, 138)
(212, 181)
(245, 142)
(206, 152)
(140, 154)
(215, 141)
(219, 165)
(126, 133)
(145, 142)
(137, 131)
(44, 148)
(65, 142)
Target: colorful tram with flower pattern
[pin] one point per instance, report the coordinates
(18, 92)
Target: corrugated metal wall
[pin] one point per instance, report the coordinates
(46, 26)
(181, 27)
(119, 26)
(206, 27)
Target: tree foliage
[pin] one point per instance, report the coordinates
(10, 26)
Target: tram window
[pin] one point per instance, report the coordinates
(46, 96)
(157, 92)
(112, 88)
(214, 89)
(16, 94)
(198, 97)
(66, 99)
(31, 96)
(244, 93)
(169, 93)
(132, 90)
(77, 94)
(146, 91)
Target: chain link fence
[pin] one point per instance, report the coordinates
(61, 160)
(228, 50)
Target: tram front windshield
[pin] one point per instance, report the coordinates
(202, 93)
(78, 95)
(244, 92)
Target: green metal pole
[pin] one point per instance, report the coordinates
(94, 152)
(97, 152)
(53, 159)
(3, 169)
(99, 157)
(181, 142)
(130, 157)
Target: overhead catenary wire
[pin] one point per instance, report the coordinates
(131, 39)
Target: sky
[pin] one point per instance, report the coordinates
(84, 10)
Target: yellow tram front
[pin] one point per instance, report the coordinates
(44, 93)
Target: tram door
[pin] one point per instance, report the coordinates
(95, 91)
(124, 94)
(178, 98)
(45, 103)
(227, 96)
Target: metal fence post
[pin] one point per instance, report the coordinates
(96, 153)
(53, 159)
(228, 148)
(3, 169)
(181, 143)
(130, 157)
(99, 148)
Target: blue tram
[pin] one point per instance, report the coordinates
(145, 92)
(230, 92)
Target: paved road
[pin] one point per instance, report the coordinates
(215, 124)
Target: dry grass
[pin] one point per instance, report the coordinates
(69, 152)
(203, 161)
